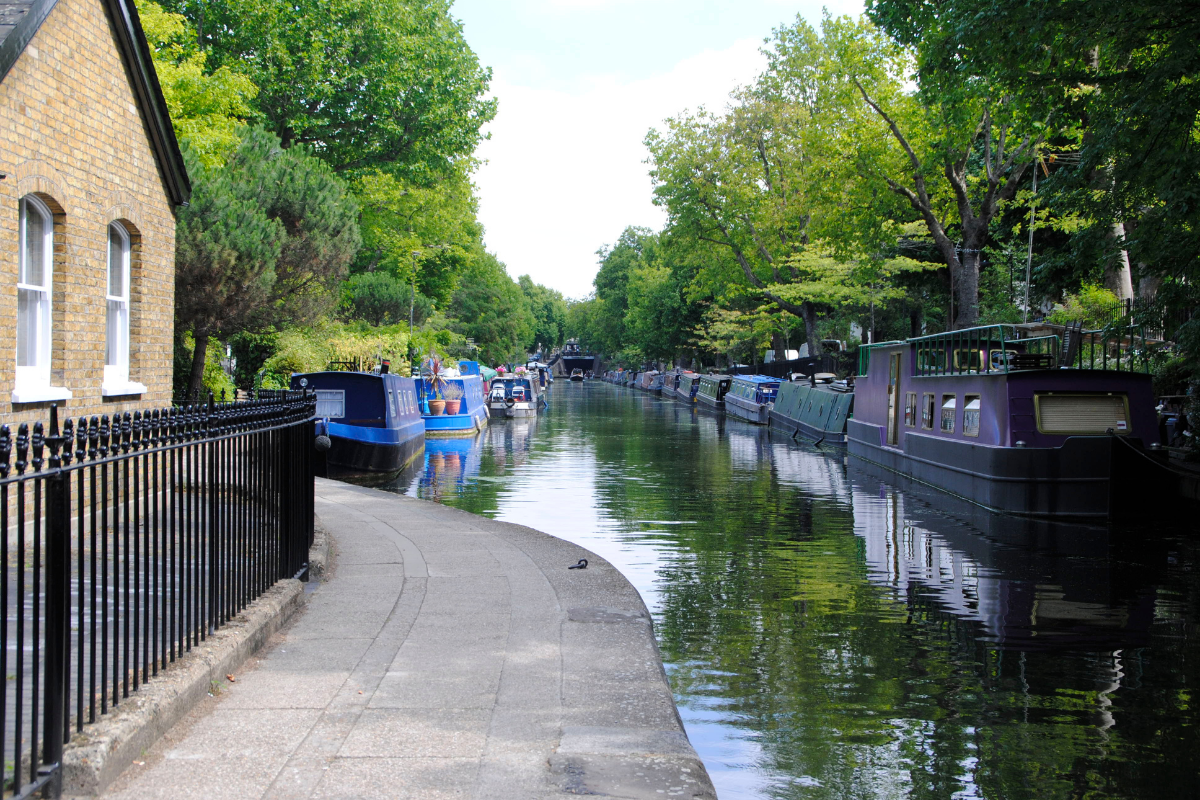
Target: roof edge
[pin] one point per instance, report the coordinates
(22, 33)
(132, 41)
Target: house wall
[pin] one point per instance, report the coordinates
(71, 131)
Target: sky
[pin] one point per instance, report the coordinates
(579, 84)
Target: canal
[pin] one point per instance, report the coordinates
(831, 634)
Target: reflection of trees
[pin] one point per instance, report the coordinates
(768, 618)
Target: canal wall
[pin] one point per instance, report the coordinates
(446, 654)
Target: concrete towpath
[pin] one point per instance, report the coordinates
(448, 656)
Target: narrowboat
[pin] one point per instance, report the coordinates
(750, 397)
(656, 384)
(689, 384)
(512, 396)
(1050, 425)
(815, 408)
(373, 421)
(577, 374)
(712, 389)
(467, 387)
(645, 380)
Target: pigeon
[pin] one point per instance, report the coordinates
(581, 565)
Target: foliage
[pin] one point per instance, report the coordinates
(367, 84)
(1093, 305)
(265, 241)
(311, 349)
(215, 379)
(377, 298)
(491, 309)
(549, 314)
(206, 106)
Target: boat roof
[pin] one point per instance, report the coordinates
(757, 378)
(717, 375)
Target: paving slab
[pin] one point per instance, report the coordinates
(445, 655)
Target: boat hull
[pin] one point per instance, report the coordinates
(1087, 477)
(814, 412)
(446, 425)
(358, 451)
(758, 413)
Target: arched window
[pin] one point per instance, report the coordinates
(116, 344)
(35, 274)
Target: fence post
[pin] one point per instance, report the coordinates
(58, 609)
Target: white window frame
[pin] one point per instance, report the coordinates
(116, 374)
(32, 381)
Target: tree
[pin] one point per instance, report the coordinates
(549, 313)
(265, 241)
(954, 152)
(367, 84)
(206, 106)
(490, 308)
(378, 298)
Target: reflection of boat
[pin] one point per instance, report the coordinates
(373, 421)
(576, 374)
(712, 390)
(750, 397)
(1024, 424)
(818, 410)
(472, 413)
(515, 396)
(449, 464)
(1030, 585)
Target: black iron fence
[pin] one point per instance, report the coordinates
(126, 542)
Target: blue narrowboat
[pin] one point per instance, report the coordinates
(814, 408)
(467, 388)
(1052, 425)
(712, 390)
(750, 397)
(373, 421)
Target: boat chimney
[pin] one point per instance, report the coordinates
(385, 367)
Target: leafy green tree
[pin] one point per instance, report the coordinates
(549, 313)
(949, 155)
(367, 84)
(378, 298)
(635, 248)
(490, 308)
(206, 106)
(265, 242)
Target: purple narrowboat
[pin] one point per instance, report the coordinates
(1058, 426)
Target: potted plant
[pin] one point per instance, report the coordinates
(452, 393)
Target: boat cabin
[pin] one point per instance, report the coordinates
(751, 396)
(712, 389)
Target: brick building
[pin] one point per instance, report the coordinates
(92, 178)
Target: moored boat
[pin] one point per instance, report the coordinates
(814, 409)
(467, 388)
(712, 389)
(511, 396)
(373, 421)
(688, 385)
(1051, 426)
(750, 397)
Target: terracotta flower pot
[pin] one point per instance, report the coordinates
(452, 406)
(436, 407)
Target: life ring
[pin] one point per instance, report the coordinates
(510, 401)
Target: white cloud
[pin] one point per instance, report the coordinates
(565, 172)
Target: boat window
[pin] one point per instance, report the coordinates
(910, 410)
(331, 403)
(949, 409)
(971, 408)
(971, 360)
(391, 395)
(927, 411)
(931, 359)
(1002, 358)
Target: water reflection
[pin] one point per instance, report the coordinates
(832, 634)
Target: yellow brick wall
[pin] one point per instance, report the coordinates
(71, 131)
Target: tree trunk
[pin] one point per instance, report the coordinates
(1118, 278)
(196, 380)
(966, 289)
(808, 313)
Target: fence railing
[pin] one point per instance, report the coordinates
(126, 542)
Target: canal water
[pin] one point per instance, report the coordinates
(829, 633)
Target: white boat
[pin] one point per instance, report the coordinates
(512, 396)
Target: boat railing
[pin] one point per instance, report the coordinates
(864, 354)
